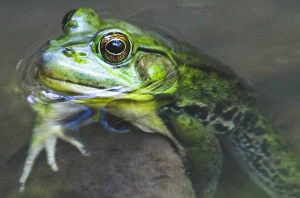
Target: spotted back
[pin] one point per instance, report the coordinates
(257, 147)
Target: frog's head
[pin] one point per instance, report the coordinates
(106, 56)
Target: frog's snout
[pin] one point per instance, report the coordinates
(47, 59)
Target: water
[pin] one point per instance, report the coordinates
(260, 40)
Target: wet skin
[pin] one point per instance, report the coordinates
(109, 67)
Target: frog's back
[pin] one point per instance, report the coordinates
(225, 103)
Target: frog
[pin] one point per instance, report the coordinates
(100, 67)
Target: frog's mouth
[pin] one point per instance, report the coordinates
(75, 88)
(71, 88)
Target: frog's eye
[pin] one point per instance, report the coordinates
(114, 47)
(67, 17)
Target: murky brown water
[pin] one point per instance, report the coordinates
(259, 39)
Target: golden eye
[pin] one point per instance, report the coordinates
(114, 47)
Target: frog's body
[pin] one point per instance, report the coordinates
(158, 86)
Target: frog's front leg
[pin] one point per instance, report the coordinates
(203, 158)
(49, 126)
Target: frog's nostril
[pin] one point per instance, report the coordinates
(68, 51)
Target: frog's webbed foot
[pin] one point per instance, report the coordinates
(45, 137)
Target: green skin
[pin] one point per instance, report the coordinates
(160, 87)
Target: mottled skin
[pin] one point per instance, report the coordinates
(159, 86)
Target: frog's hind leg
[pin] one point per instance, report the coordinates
(264, 155)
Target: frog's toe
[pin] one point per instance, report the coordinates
(50, 150)
(21, 188)
(33, 152)
(73, 141)
(85, 153)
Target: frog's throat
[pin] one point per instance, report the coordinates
(72, 88)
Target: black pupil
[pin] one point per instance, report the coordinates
(115, 46)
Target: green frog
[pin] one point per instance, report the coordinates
(159, 85)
